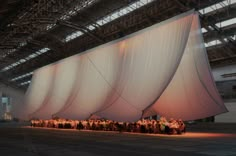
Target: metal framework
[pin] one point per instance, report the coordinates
(36, 33)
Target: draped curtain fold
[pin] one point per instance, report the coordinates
(162, 70)
(192, 93)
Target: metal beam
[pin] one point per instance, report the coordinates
(139, 19)
(81, 28)
(213, 35)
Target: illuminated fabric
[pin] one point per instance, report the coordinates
(146, 73)
(192, 93)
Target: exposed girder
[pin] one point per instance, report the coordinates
(47, 28)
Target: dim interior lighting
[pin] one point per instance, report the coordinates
(8, 52)
(50, 26)
(111, 17)
(23, 44)
(217, 6)
(65, 16)
(77, 8)
(72, 12)
(13, 50)
(21, 61)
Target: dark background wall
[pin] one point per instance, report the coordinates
(227, 89)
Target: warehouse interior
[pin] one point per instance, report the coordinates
(39, 32)
(48, 36)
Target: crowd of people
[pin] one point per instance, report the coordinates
(162, 126)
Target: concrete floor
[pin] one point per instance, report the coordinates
(25, 141)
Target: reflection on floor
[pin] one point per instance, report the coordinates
(184, 135)
(18, 140)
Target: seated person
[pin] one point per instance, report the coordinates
(182, 126)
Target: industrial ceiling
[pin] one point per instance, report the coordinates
(35, 33)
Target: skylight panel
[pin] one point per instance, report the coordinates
(226, 40)
(23, 44)
(22, 76)
(44, 50)
(112, 16)
(213, 43)
(226, 23)
(9, 52)
(13, 50)
(50, 26)
(91, 27)
(24, 83)
(73, 36)
(65, 16)
(217, 6)
(72, 12)
(22, 60)
(210, 27)
(31, 56)
(115, 15)
(204, 30)
(124, 11)
(233, 37)
(15, 64)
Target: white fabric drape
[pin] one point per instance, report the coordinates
(98, 74)
(192, 93)
(132, 77)
(39, 89)
(64, 82)
(148, 65)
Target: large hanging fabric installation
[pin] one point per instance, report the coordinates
(98, 73)
(63, 85)
(192, 93)
(162, 69)
(147, 67)
(39, 90)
